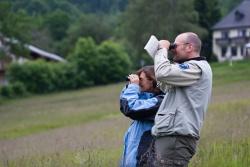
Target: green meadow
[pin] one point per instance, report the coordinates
(85, 128)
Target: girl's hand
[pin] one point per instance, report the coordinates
(134, 78)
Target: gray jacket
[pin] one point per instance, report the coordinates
(188, 89)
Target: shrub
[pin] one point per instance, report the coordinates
(19, 89)
(7, 91)
(113, 63)
(84, 58)
(13, 90)
(89, 64)
(42, 77)
(101, 64)
(69, 77)
(37, 76)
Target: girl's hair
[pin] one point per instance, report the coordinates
(150, 74)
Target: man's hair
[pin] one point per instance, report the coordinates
(194, 40)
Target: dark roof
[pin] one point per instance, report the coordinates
(238, 17)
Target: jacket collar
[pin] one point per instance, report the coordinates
(195, 58)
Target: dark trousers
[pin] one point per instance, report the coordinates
(144, 148)
(174, 151)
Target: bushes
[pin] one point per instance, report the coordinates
(37, 76)
(14, 90)
(89, 64)
(85, 59)
(42, 77)
(113, 63)
(103, 64)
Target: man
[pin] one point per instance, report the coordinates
(187, 84)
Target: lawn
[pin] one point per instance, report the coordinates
(84, 127)
(34, 114)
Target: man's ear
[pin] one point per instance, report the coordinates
(191, 47)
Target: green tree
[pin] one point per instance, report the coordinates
(165, 19)
(101, 64)
(14, 29)
(84, 58)
(99, 27)
(86, 26)
(36, 7)
(114, 60)
(58, 23)
(101, 6)
(209, 13)
(227, 5)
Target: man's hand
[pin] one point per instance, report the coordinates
(134, 78)
(164, 44)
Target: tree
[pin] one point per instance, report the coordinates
(209, 13)
(228, 5)
(86, 26)
(115, 61)
(84, 58)
(36, 7)
(165, 19)
(14, 30)
(101, 6)
(100, 64)
(58, 23)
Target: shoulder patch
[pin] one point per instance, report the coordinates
(184, 66)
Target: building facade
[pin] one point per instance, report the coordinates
(231, 35)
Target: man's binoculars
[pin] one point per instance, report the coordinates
(172, 46)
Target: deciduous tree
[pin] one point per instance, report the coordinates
(165, 19)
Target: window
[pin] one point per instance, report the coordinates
(242, 33)
(234, 51)
(223, 51)
(224, 34)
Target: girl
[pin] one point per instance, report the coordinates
(139, 100)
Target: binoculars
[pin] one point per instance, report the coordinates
(172, 46)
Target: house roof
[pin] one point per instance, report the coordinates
(44, 53)
(37, 50)
(238, 17)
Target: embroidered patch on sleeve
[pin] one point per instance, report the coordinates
(184, 66)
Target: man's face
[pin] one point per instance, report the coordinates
(145, 84)
(181, 50)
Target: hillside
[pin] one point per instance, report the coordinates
(85, 127)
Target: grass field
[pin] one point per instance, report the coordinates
(85, 128)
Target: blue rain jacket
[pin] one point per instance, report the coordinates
(141, 107)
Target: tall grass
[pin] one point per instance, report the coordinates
(225, 137)
(82, 158)
(225, 74)
(223, 154)
(20, 117)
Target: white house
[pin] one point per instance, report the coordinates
(231, 35)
